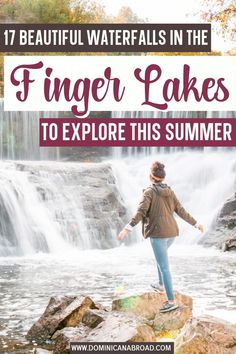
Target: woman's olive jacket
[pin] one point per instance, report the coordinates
(156, 209)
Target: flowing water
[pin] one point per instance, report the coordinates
(53, 263)
(19, 136)
(52, 241)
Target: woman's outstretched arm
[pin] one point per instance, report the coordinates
(141, 212)
(179, 209)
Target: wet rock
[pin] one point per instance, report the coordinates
(14, 346)
(101, 307)
(207, 335)
(229, 209)
(147, 305)
(223, 231)
(42, 351)
(121, 327)
(93, 318)
(102, 205)
(65, 311)
(171, 321)
(65, 336)
(230, 243)
(96, 193)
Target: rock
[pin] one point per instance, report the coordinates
(95, 190)
(230, 242)
(65, 311)
(10, 345)
(101, 307)
(92, 318)
(121, 327)
(65, 336)
(223, 231)
(207, 335)
(229, 208)
(42, 351)
(100, 189)
(171, 321)
(147, 305)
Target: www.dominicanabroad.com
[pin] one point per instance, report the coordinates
(159, 347)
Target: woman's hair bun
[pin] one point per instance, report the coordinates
(161, 166)
(158, 169)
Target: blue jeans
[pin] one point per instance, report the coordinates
(160, 248)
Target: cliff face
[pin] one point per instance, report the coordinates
(223, 234)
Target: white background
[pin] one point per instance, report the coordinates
(122, 67)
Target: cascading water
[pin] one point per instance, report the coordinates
(62, 219)
(52, 208)
(19, 136)
(41, 203)
(48, 208)
(145, 151)
(25, 224)
(173, 114)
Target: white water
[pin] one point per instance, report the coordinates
(19, 136)
(27, 283)
(44, 205)
(173, 114)
(56, 207)
(45, 222)
(42, 201)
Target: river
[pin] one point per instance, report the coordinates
(32, 272)
(28, 282)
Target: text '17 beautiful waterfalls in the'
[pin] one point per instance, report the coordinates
(61, 210)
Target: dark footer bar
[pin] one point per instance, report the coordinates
(135, 348)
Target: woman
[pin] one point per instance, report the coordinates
(157, 207)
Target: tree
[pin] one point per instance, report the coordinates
(87, 12)
(126, 15)
(36, 11)
(52, 11)
(7, 10)
(222, 14)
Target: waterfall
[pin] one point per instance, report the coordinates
(58, 207)
(173, 114)
(62, 207)
(25, 225)
(145, 151)
(19, 136)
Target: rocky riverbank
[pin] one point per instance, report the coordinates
(223, 232)
(130, 319)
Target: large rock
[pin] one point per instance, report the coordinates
(89, 190)
(230, 242)
(121, 327)
(42, 351)
(65, 311)
(223, 231)
(132, 319)
(173, 320)
(207, 335)
(66, 335)
(228, 212)
(92, 318)
(147, 305)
